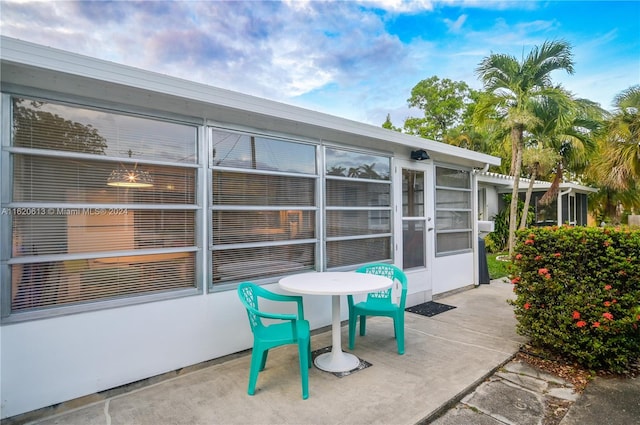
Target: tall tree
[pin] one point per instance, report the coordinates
(443, 102)
(31, 117)
(516, 86)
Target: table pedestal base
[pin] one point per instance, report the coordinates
(337, 361)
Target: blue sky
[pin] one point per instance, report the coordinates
(354, 59)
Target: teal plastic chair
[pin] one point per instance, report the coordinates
(380, 304)
(293, 330)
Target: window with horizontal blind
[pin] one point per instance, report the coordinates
(357, 208)
(102, 205)
(453, 211)
(263, 207)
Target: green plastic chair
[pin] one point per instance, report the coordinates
(380, 304)
(293, 330)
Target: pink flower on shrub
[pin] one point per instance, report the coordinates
(538, 257)
(606, 243)
(529, 242)
(527, 306)
(607, 316)
(543, 271)
(581, 324)
(518, 256)
(596, 324)
(515, 280)
(576, 315)
(557, 255)
(547, 276)
(607, 303)
(607, 287)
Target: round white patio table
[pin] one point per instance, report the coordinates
(335, 284)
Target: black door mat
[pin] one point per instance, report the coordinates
(429, 308)
(363, 363)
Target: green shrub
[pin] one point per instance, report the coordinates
(578, 293)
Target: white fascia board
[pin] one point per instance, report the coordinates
(578, 188)
(505, 182)
(36, 56)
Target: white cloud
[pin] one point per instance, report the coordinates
(455, 26)
(338, 57)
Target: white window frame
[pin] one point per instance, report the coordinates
(468, 211)
(6, 242)
(231, 283)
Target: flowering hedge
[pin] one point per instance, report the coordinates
(578, 293)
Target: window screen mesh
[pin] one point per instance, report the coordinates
(450, 242)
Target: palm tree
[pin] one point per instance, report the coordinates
(570, 130)
(616, 167)
(620, 162)
(367, 171)
(336, 171)
(515, 87)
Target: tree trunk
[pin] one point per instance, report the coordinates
(527, 198)
(552, 193)
(514, 153)
(516, 137)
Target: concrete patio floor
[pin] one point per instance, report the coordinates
(446, 356)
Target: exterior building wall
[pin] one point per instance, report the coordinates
(53, 355)
(448, 275)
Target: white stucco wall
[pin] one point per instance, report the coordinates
(44, 362)
(452, 272)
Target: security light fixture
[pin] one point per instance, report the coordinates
(419, 155)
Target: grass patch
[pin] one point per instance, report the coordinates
(497, 269)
